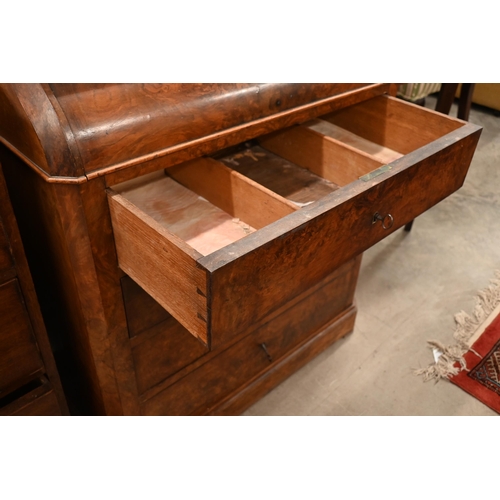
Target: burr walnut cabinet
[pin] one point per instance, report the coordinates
(195, 244)
(29, 381)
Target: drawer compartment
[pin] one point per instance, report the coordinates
(357, 175)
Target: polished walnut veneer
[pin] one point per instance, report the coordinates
(193, 245)
(29, 381)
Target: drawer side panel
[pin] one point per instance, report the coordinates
(169, 274)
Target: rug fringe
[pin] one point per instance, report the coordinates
(467, 324)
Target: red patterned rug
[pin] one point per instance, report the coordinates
(481, 378)
(473, 362)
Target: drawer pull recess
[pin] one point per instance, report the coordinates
(387, 220)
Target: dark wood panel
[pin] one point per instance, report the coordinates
(55, 237)
(109, 125)
(162, 351)
(264, 271)
(351, 268)
(98, 221)
(214, 142)
(143, 312)
(279, 175)
(205, 387)
(40, 401)
(16, 127)
(5, 256)
(26, 289)
(31, 124)
(45, 405)
(161, 346)
(258, 387)
(19, 355)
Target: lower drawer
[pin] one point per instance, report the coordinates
(226, 373)
(19, 355)
(222, 242)
(5, 256)
(38, 401)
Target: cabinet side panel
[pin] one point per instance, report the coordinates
(53, 230)
(19, 356)
(108, 275)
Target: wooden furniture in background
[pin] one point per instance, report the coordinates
(447, 95)
(195, 244)
(29, 382)
(485, 94)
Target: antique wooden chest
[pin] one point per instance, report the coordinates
(29, 381)
(194, 244)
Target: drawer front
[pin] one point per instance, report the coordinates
(270, 267)
(263, 349)
(383, 175)
(162, 351)
(45, 405)
(19, 355)
(5, 256)
(38, 401)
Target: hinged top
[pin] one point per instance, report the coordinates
(73, 130)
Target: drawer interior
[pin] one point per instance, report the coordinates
(350, 143)
(206, 204)
(210, 203)
(188, 217)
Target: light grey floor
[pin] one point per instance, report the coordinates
(410, 287)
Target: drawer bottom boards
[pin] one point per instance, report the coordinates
(228, 381)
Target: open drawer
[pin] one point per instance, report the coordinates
(222, 242)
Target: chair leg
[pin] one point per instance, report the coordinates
(465, 102)
(446, 97)
(443, 105)
(409, 225)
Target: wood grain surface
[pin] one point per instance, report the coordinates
(25, 350)
(6, 263)
(281, 176)
(232, 192)
(42, 400)
(393, 123)
(263, 271)
(162, 264)
(380, 153)
(204, 387)
(19, 355)
(325, 156)
(193, 344)
(189, 216)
